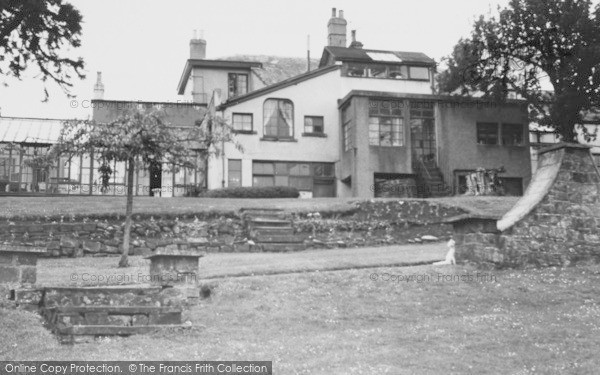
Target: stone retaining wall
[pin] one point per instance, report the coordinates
(556, 222)
(370, 223)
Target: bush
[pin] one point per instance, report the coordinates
(253, 192)
(13, 187)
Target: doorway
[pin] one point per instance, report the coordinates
(155, 177)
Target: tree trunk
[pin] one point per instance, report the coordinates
(124, 262)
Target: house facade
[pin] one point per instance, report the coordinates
(365, 123)
(357, 123)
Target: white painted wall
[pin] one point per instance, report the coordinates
(314, 97)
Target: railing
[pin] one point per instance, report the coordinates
(424, 167)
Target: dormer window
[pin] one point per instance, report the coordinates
(387, 71)
(238, 84)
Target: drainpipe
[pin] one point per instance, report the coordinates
(223, 162)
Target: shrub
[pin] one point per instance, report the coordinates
(13, 186)
(253, 192)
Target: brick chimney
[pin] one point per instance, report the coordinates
(355, 43)
(198, 47)
(99, 87)
(336, 29)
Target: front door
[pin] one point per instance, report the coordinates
(155, 177)
(422, 131)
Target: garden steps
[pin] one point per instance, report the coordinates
(105, 311)
(272, 230)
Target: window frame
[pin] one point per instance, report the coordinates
(291, 125)
(399, 132)
(242, 130)
(235, 92)
(313, 132)
(513, 124)
(478, 131)
(229, 172)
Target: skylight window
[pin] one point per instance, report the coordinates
(384, 56)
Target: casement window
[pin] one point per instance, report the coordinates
(238, 84)
(234, 173)
(386, 124)
(347, 129)
(387, 71)
(301, 175)
(313, 124)
(278, 118)
(487, 133)
(419, 72)
(386, 131)
(242, 122)
(512, 134)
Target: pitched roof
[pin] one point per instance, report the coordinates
(223, 64)
(276, 68)
(277, 86)
(30, 130)
(371, 55)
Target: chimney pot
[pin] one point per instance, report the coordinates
(353, 36)
(99, 87)
(336, 30)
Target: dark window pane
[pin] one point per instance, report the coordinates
(512, 134)
(263, 181)
(487, 133)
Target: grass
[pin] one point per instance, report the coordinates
(521, 322)
(58, 272)
(82, 206)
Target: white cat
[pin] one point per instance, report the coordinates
(449, 256)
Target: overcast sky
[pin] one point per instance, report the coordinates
(141, 45)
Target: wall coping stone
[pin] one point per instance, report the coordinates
(9, 248)
(562, 145)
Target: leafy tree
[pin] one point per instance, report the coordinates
(139, 138)
(527, 44)
(40, 32)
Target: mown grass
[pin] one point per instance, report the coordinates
(520, 322)
(104, 271)
(97, 206)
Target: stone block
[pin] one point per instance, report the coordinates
(6, 258)
(26, 259)
(28, 296)
(66, 241)
(139, 320)
(9, 274)
(28, 274)
(91, 246)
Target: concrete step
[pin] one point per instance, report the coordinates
(279, 239)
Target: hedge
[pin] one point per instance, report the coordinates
(252, 192)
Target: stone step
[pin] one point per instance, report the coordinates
(103, 296)
(267, 231)
(283, 238)
(108, 330)
(111, 315)
(282, 247)
(265, 222)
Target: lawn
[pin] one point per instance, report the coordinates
(81, 206)
(344, 322)
(51, 272)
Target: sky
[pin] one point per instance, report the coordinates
(141, 46)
